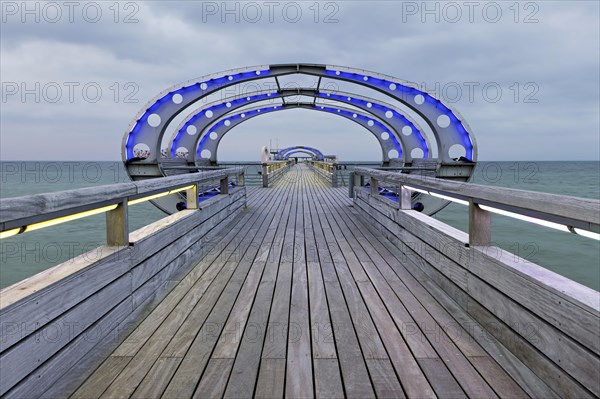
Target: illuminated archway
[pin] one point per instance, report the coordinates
(208, 144)
(286, 152)
(149, 126)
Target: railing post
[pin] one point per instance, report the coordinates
(192, 197)
(480, 232)
(334, 176)
(374, 186)
(359, 180)
(224, 183)
(117, 226)
(241, 178)
(265, 175)
(405, 199)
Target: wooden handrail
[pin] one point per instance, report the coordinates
(20, 212)
(572, 212)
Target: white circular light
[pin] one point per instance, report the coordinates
(407, 130)
(354, 115)
(230, 78)
(203, 86)
(370, 123)
(154, 120)
(417, 153)
(191, 130)
(369, 105)
(177, 98)
(389, 114)
(227, 122)
(457, 151)
(213, 135)
(385, 135)
(443, 121)
(392, 86)
(208, 114)
(419, 99)
(205, 154)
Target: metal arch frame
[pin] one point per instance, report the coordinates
(284, 154)
(221, 128)
(299, 151)
(398, 122)
(169, 103)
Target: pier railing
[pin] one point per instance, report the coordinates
(273, 171)
(530, 319)
(571, 214)
(21, 214)
(327, 170)
(68, 316)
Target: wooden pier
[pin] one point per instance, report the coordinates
(305, 292)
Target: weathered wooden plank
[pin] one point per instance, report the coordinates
(271, 377)
(25, 356)
(102, 378)
(458, 365)
(88, 359)
(402, 358)
(354, 371)
(384, 379)
(218, 238)
(34, 384)
(299, 372)
(31, 304)
(247, 361)
(421, 317)
(536, 365)
(442, 381)
(328, 381)
(214, 381)
(558, 346)
(184, 381)
(128, 381)
(157, 378)
(500, 382)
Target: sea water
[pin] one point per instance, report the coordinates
(573, 256)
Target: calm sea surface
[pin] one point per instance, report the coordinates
(568, 254)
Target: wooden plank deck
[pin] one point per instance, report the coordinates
(299, 297)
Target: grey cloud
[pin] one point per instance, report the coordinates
(555, 61)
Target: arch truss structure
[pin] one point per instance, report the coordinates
(287, 152)
(412, 126)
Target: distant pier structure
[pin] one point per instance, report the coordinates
(308, 283)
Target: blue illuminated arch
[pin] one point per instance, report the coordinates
(229, 121)
(151, 122)
(198, 122)
(286, 152)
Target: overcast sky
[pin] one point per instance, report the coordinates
(107, 59)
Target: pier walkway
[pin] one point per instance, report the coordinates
(299, 296)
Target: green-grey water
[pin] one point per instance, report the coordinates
(570, 255)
